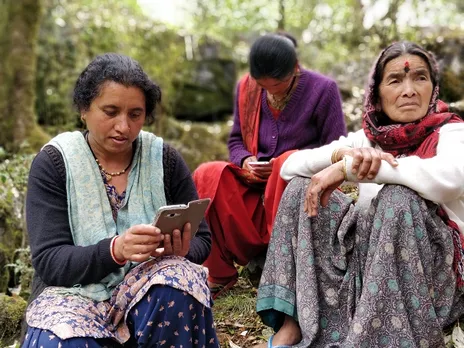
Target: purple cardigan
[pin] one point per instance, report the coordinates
(313, 117)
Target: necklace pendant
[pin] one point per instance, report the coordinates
(108, 177)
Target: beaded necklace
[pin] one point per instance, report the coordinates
(107, 174)
(279, 104)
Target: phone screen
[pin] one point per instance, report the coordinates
(258, 163)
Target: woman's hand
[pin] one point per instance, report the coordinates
(137, 243)
(178, 244)
(366, 160)
(262, 171)
(323, 184)
(245, 164)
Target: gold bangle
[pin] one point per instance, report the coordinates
(334, 158)
(344, 168)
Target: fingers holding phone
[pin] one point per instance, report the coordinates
(262, 169)
(176, 243)
(179, 223)
(246, 162)
(137, 243)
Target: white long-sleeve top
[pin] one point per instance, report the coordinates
(439, 179)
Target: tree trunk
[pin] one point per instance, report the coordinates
(19, 27)
(281, 23)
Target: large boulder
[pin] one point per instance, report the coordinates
(205, 90)
(197, 142)
(458, 108)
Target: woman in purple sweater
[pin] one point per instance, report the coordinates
(279, 108)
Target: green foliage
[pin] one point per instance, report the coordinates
(335, 37)
(22, 272)
(231, 21)
(74, 32)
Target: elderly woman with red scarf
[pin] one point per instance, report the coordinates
(280, 107)
(388, 270)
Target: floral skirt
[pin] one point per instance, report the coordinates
(156, 299)
(379, 278)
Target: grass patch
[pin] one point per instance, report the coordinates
(236, 320)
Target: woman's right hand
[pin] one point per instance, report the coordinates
(137, 243)
(245, 164)
(262, 172)
(366, 160)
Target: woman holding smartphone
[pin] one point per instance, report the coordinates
(279, 107)
(100, 277)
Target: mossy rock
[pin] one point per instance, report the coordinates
(11, 314)
(452, 86)
(205, 91)
(13, 184)
(197, 142)
(458, 108)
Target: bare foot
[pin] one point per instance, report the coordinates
(289, 334)
(262, 345)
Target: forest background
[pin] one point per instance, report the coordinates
(196, 50)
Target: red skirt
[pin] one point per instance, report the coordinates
(240, 215)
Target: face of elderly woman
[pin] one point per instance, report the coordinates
(406, 89)
(115, 117)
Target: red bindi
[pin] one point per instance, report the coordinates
(406, 67)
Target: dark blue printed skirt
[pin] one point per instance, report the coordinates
(160, 303)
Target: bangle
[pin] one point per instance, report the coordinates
(334, 158)
(113, 255)
(344, 168)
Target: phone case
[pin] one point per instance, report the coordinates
(172, 217)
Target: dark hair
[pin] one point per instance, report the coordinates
(396, 50)
(272, 56)
(288, 36)
(120, 69)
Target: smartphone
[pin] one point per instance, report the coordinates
(258, 163)
(172, 217)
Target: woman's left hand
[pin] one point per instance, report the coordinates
(323, 184)
(178, 244)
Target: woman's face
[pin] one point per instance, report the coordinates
(275, 86)
(406, 89)
(115, 117)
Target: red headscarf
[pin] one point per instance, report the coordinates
(249, 106)
(418, 138)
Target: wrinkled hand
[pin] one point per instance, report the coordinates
(178, 244)
(323, 184)
(366, 161)
(137, 243)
